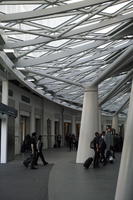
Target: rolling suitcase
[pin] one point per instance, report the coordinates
(88, 162)
(27, 161)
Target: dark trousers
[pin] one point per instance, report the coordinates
(40, 154)
(96, 159)
(70, 146)
(59, 143)
(33, 159)
(102, 156)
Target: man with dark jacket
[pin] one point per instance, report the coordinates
(32, 158)
(96, 150)
(33, 150)
(39, 150)
(102, 148)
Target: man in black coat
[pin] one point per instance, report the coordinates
(39, 151)
(96, 150)
(33, 150)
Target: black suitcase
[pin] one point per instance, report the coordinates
(27, 161)
(88, 162)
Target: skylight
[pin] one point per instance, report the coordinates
(57, 43)
(68, 45)
(23, 37)
(8, 9)
(53, 22)
(108, 29)
(115, 8)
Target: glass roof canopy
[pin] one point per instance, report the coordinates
(62, 46)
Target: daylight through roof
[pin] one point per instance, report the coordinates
(59, 47)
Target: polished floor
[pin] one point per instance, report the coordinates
(61, 179)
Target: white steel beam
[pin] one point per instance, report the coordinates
(122, 106)
(50, 11)
(55, 78)
(87, 28)
(55, 56)
(129, 75)
(24, 31)
(102, 24)
(117, 63)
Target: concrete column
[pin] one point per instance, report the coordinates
(89, 124)
(115, 123)
(73, 125)
(62, 127)
(17, 130)
(99, 120)
(44, 127)
(124, 188)
(32, 120)
(4, 123)
(52, 131)
(125, 126)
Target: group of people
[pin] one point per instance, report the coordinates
(34, 145)
(71, 141)
(103, 148)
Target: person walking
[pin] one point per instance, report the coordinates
(96, 150)
(33, 150)
(32, 158)
(39, 151)
(58, 140)
(102, 148)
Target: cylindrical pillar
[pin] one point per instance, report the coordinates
(62, 127)
(125, 126)
(17, 129)
(124, 188)
(73, 125)
(89, 124)
(32, 120)
(99, 120)
(115, 123)
(44, 127)
(4, 123)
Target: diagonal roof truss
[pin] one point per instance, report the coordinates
(61, 46)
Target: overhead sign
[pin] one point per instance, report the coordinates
(5, 109)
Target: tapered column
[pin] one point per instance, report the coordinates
(124, 189)
(99, 120)
(115, 123)
(89, 124)
(32, 120)
(4, 123)
(73, 125)
(61, 127)
(125, 126)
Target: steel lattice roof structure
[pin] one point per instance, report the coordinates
(59, 47)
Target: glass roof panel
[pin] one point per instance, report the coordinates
(108, 29)
(57, 43)
(54, 22)
(63, 50)
(8, 9)
(115, 8)
(22, 36)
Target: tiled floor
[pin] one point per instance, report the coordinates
(62, 179)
